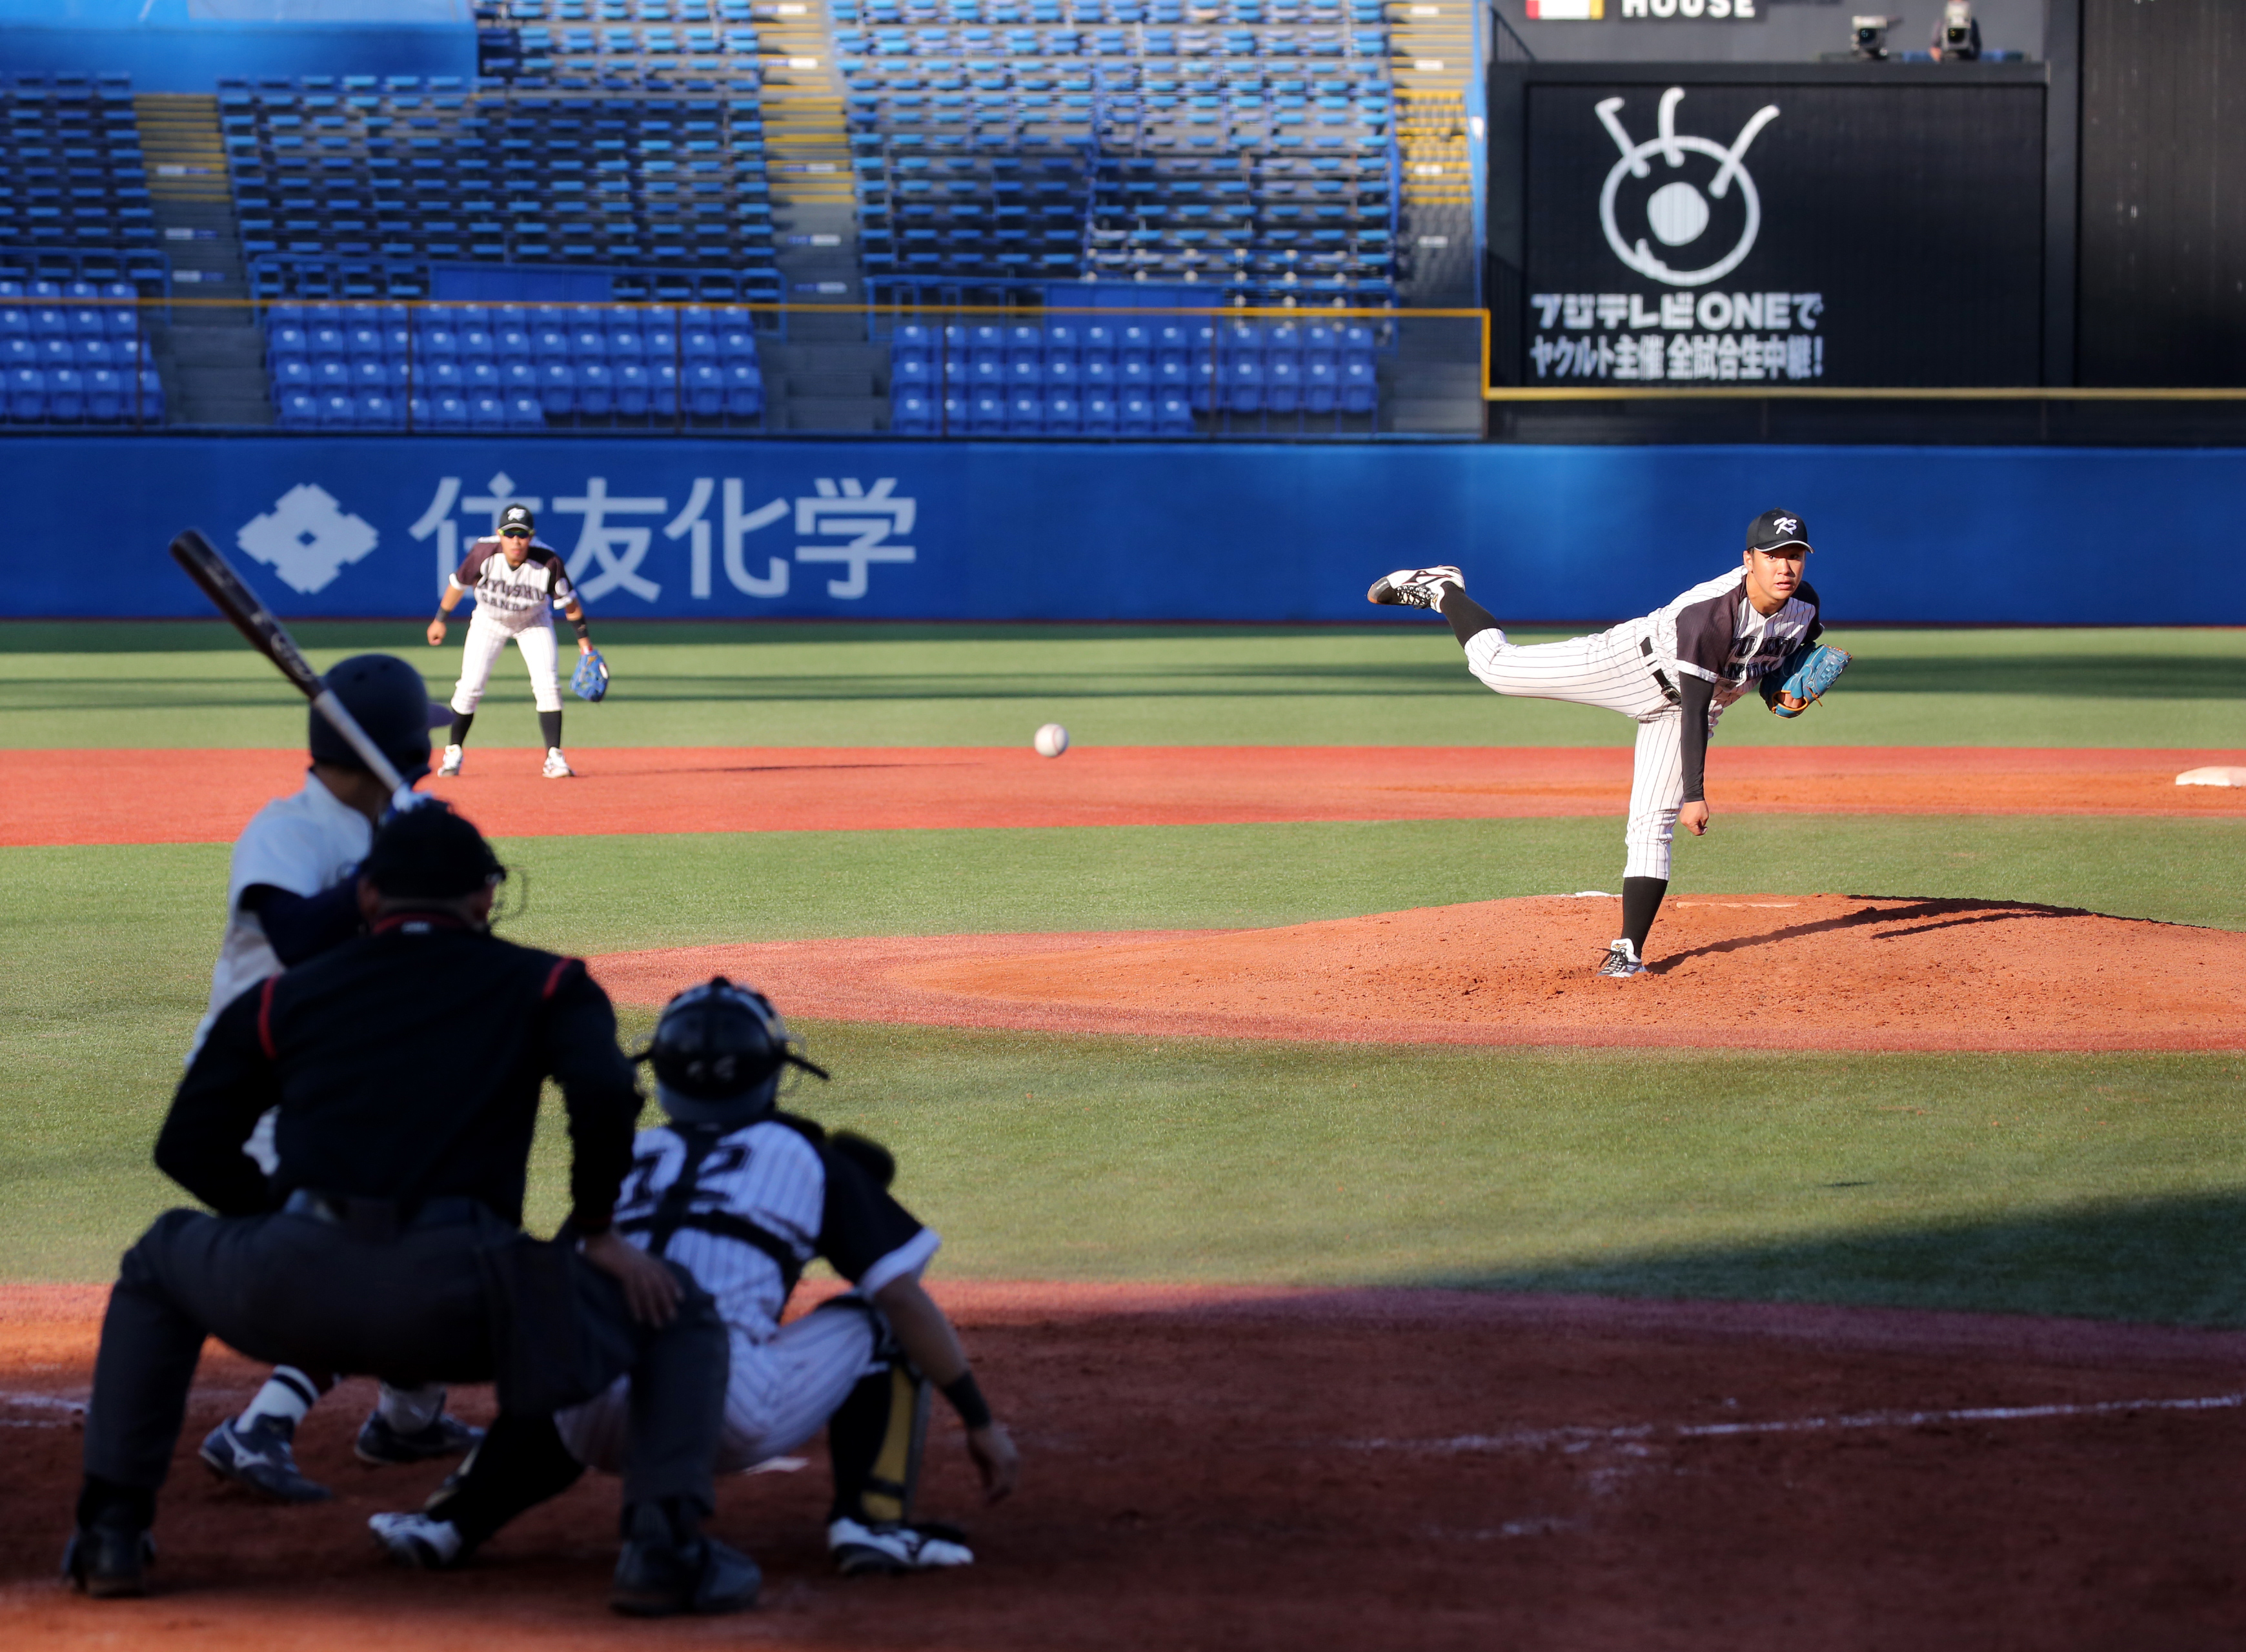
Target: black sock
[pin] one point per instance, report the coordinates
(1641, 898)
(1467, 616)
(549, 724)
(461, 721)
(520, 1464)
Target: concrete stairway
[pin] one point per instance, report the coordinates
(210, 354)
(1435, 57)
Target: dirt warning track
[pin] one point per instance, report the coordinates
(1890, 973)
(87, 797)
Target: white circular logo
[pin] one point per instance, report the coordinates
(1678, 212)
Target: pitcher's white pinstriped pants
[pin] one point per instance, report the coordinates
(778, 1395)
(1606, 670)
(487, 639)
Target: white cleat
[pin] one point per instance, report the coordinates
(1414, 587)
(450, 764)
(860, 1550)
(417, 1540)
(1622, 962)
(557, 766)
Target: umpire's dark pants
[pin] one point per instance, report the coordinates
(420, 1308)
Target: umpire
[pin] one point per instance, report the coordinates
(390, 1242)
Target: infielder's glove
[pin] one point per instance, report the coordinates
(591, 680)
(1802, 677)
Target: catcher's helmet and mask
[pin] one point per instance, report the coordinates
(391, 702)
(717, 1055)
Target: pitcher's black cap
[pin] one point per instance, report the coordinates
(1774, 528)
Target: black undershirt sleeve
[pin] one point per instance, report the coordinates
(1467, 617)
(299, 926)
(216, 1106)
(860, 1222)
(1695, 694)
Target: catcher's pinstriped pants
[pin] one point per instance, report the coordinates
(487, 639)
(1608, 670)
(779, 1393)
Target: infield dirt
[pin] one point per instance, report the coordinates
(1243, 1470)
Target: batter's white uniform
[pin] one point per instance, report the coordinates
(512, 604)
(1712, 632)
(744, 1211)
(301, 844)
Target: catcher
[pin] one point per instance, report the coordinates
(1674, 672)
(518, 580)
(742, 1197)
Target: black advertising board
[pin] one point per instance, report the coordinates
(1847, 232)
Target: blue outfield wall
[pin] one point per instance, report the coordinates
(1005, 531)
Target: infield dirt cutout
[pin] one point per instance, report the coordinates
(1826, 971)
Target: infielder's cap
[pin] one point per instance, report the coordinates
(1774, 528)
(517, 518)
(430, 854)
(391, 702)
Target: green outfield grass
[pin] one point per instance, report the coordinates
(2101, 1185)
(1400, 684)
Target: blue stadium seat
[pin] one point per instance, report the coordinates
(632, 386)
(338, 411)
(327, 343)
(596, 387)
(523, 412)
(27, 395)
(1174, 413)
(706, 387)
(736, 344)
(745, 390)
(1063, 372)
(662, 388)
(370, 378)
(487, 413)
(518, 379)
(475, 345)
(550, 346)
(986, 412)
(1282, 383)
(625, 345)
(1135, 413)
(912, 412)
(1357, 384)
(1243, 378)
(288, 342)
(1321, 383)
(299, 410)
(511, 344)
(557, 388)
(1098, 409)
(377, 412)
(589, 344)
(448, 412)
(699, 346)
(479, 378)
(1063, 416)
(18, 353)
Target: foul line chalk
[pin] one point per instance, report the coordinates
(1530, 1439)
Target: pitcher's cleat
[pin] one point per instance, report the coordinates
(1622, 962)
(1414, 587)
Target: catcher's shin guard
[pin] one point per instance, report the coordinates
(518, 1464)
(875, 1439)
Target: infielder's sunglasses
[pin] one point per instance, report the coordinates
(514, 532)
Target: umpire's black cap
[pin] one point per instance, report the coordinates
(389, 700)
(430, 854)
(1774, 528)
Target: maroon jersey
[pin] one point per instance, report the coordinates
(517, 598)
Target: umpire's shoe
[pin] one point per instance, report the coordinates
(388, 1447)
(859, 1550)
(109, 1560)
(261, 1458)
(669, 1566)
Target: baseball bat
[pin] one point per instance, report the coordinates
(254, 621)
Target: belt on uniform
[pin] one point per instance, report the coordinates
(381, 1219)
(1668, 689)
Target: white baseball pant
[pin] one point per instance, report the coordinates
(1608, 670)
(778, 1394)
(487, 639)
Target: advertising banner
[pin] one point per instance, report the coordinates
(1778, 233)
(1029, 531)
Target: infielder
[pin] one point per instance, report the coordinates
(291, 894)
(517, 579)
(742, 1197)
(1675, 671)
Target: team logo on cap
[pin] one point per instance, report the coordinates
(1787, 525)
(1692, 210)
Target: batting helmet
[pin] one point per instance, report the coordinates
(392, 705)
(718, 1053)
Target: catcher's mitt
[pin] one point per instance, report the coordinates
(1802, 677)
(591, 680)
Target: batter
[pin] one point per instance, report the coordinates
(518, 579)
(1675, 672)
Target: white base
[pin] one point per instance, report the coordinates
(2212, 777)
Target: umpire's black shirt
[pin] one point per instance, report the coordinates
(406, 1064)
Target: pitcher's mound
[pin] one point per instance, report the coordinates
(1756, 971)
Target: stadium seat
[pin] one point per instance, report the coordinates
(596, 393)
(337, 411)
(1097, 412)
(1025, 413)
(299, 410)
(449, 411)
(912, 412)
(487, 413)
(557, 389)
(523, 412)
(706, 387)
(377, 412)
(632, 389)
(1134, 414)
(745, 390)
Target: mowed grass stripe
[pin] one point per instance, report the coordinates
(193, 685)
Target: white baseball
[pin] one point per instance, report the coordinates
(1051, 741)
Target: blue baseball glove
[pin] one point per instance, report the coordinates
(591, 680)
(1802, 677)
